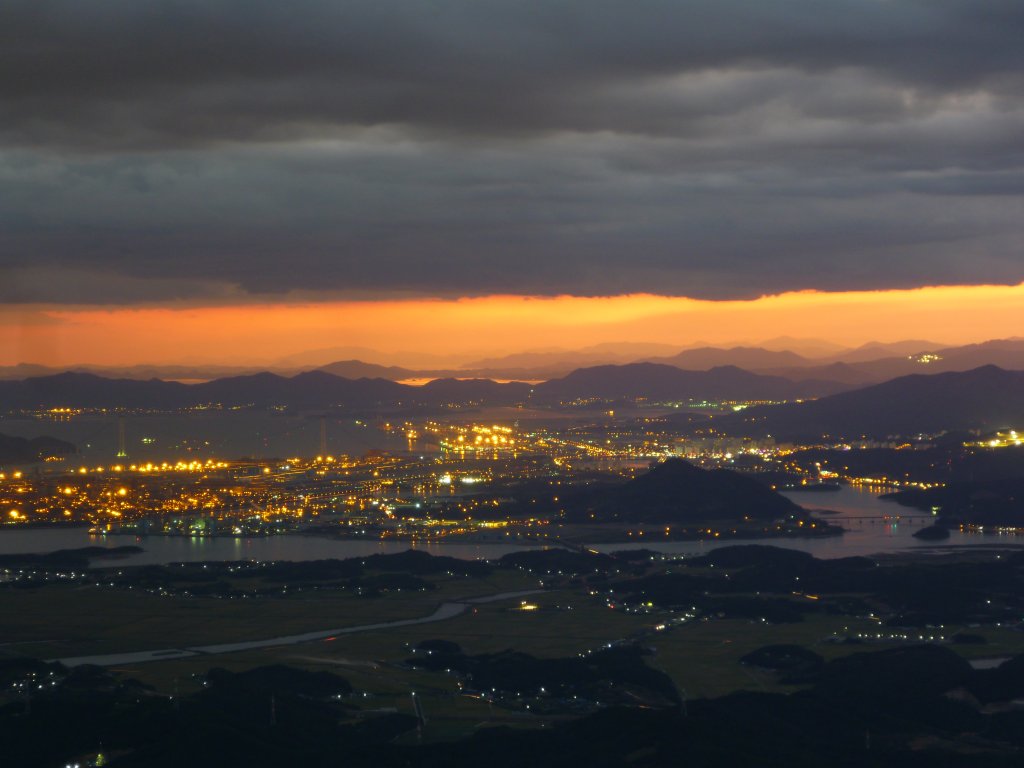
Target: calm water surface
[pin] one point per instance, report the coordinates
(858, 510)
(212, 434)
(861, 512)
(175, 549)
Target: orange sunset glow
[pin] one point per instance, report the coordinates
(435, 383)
(456, 330)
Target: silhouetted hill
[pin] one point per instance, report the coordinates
(25, 370)
(140, 372)
(811, 348)
(319, 389)
(991, 502)
(478, 390)
(849, 374)
(357, 369)
(676, 491)
(1006, 353)
(750, 358)
(895, 673)
(314, 389)
(876, 350)
(870, 366)
(985, 398)
(567, 359)
(86, 390)
(666, 382)
(20, 450)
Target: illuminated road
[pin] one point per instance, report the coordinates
(444, 611)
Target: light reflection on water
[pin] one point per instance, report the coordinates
(861, 512)
(214, 434)
(872, 535)
(171, 549)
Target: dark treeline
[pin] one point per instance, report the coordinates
(367, 576)
(607, 676)
(773, 583)
(982, 503)
(273, 716)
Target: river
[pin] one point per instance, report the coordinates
(184, 549)
(444, 611)
(859, 510)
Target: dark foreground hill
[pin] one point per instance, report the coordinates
(982, 503)
(20, 450)
(676, 492)
(904, 707)
(986, 399)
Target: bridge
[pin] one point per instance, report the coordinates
(922, 518)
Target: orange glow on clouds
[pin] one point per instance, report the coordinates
(473, 327)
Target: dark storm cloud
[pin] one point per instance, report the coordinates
(706, 147)
(132, 72)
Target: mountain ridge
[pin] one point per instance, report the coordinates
(323, 389)
(984, 398)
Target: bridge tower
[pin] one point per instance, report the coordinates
(122, 447)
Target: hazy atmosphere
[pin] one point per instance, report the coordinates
(218, 152)
(460, 383)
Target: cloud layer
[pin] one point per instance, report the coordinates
(213, 149)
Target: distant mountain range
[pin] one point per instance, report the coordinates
(750, 358)
(986, 398)
(314, 389)
(869, 364)
(1005, 353)
(320, 389)
(801, 360)
(139, 372)
(565, 360)
(876, 350)
(357, 369)
(665, 382)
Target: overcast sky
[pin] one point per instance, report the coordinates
(225, 151)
